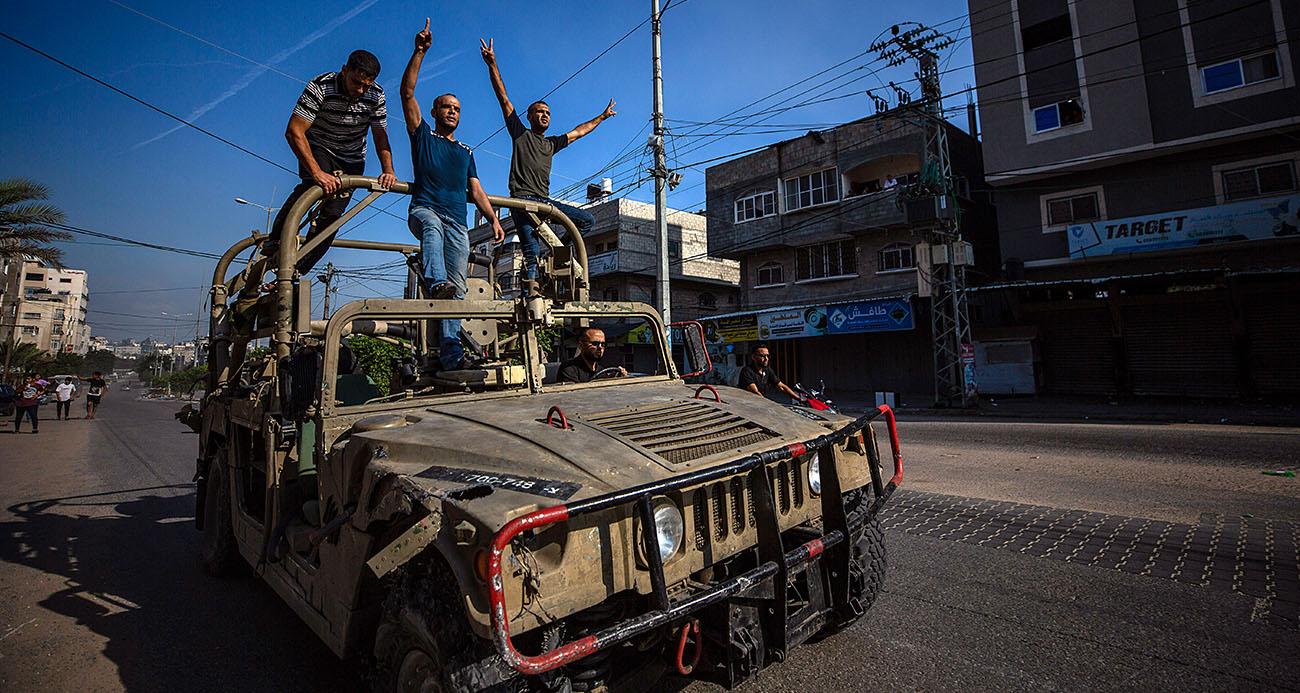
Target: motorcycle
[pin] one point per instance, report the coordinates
(815, 398)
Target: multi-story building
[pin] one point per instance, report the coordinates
(1144, 157)
(828, 238)
(46, 306)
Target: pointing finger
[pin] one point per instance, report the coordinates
(426, 23)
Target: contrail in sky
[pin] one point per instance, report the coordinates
(254, 73)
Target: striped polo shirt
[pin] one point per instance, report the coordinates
(339, 124)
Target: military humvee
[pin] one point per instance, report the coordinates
(492, 529)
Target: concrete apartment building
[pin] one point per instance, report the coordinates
(45, 306)
(827, 243)
(1144, 156)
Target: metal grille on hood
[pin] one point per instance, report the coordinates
(681, 431)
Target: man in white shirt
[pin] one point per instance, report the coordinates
(65, 391)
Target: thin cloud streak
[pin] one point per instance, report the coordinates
(254, 73)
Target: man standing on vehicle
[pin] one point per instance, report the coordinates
(530, 161)
(583, 367)
(65, 391)
(760, 378)
(327, 132)
(444, 175)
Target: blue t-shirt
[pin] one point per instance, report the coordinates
(443, 168)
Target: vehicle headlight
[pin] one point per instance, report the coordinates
(669, 528)
(815, 476)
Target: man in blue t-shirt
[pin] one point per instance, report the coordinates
(444, 175)
(530, 160)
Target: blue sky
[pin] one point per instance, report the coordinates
(117, 167)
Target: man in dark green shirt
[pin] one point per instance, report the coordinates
(530, 162)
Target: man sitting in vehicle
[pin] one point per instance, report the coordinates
(760, 378)
(585, 366)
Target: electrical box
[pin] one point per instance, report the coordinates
(963, 254)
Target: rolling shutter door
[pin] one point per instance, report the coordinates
(1077, 357)
(1180, 345)
(1273, 323)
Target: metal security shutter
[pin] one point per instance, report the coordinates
(1273, 323)
(1077, 357)
(1180, 345)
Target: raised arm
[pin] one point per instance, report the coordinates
(481, 202)
(411, 107)
(494, 74)
(590, 125)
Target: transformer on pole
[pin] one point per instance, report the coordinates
(942, 269)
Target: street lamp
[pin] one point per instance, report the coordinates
(269, 211)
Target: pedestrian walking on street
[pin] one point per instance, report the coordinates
(65, 392)
(94, 391)
(28, 403)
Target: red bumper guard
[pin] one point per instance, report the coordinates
(772, 563)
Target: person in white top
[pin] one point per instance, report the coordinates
(65, 391)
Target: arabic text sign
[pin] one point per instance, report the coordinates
(1251, 220)
(870, 316)
(731, 330)
(797, 322)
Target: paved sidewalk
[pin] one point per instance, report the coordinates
(1100, 409)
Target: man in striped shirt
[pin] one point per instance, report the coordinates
(327, 132)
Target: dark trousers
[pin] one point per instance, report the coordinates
(61, 409)
(31, 415)
(331, 207)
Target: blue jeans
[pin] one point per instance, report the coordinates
(444, 256)
(581, 219)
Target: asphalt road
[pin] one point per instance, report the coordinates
(1022, 556)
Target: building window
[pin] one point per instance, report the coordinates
(896, 256)
(825, 261)
(30, 329)
(1058, 115)
(756, 206)
(771, 274)
(34, 277)
(31, 316)
(54, 345)
(1240, 72)
(811, 190)
(708, 301)
(58, 329)
(1046, 32)
(1072, 210)
(65, 280)
(58, 314)
(675, 249)
(1258, 181)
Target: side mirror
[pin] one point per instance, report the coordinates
(697, 354)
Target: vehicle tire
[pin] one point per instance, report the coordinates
(424, 630)
(219, 554)
(868, 563)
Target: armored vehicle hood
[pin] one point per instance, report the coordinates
(617, 436)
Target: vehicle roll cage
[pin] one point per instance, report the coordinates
(229, 340)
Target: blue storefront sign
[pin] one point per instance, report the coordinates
(1251, 220)
(869, 316)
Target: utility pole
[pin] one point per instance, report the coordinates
(661, 168)
(948, 253)
(326, 280)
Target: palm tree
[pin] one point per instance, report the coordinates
(24, 216)
(16, 355)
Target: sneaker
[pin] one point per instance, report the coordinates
(443, 291)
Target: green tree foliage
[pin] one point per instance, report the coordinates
(21, 357)
(184, 381)
(24, 220)
(67, 363)
(375, 358)
(101, 360)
